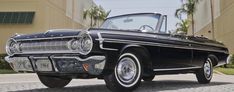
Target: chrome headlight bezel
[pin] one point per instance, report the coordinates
(82, 45)
(86, 44)
(73, 45)
(12, 47)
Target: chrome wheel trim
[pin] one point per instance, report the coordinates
(207, 67)
(129, 76)
(126, 70)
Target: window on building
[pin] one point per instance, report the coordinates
(16, 17)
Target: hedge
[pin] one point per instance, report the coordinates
(3, 63)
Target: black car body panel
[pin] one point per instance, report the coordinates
(123, 51)
(166, 52)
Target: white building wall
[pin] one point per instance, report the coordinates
(75, 8)
(202, 15)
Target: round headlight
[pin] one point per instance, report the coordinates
(86, 44)
(12, 47)
(74, 45)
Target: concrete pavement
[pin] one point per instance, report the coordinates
(163, 83)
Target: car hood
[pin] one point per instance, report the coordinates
(50, 34)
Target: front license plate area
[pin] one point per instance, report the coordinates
(43, 65)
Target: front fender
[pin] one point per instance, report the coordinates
(145, 55)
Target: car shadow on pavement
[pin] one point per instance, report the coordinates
(154, 86)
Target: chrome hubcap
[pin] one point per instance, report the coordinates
(207, 69)
(126, 70)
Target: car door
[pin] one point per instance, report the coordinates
(175, 54)
(174, 51)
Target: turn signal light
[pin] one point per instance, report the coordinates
(86, 67)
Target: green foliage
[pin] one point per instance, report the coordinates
(183, 26)
(6, 71)
(96, 14)
(188, 7)
(3, 63)
(228, 71)
(232, 60)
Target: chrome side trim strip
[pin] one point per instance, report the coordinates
(160, 44)
(142, 43)
(175, 69)
(158, 36)
(101, 40)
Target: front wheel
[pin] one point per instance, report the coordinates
(127, 74)
(205, 74)
(54, 82)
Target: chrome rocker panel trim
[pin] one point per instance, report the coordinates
(176, 69)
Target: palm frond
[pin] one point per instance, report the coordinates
(183, 26)
(95, 13)
(179, 12)
(85, 14)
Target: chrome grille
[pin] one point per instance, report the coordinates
(51, 46)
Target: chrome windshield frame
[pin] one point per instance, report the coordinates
(156, 27)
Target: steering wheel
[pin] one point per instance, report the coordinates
(144, 28)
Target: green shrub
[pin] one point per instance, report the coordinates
(228, 71)
(3, 63)
(232, 60)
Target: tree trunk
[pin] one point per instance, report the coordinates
(193, 30)
(91, 23)
(95, 22)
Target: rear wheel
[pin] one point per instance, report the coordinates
(127, 74)
(54, 82)
(205, 74)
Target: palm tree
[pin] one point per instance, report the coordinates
(96, 14)
(183, 26)
(189, 8)
(101, 15)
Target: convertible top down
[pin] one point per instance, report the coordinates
(125, 50)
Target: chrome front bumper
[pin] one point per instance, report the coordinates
(229, 58)
(92, 65)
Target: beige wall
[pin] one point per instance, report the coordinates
(49, 14)
(224, 25)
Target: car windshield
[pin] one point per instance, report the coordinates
(143, 22)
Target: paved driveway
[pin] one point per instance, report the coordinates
(164, 83)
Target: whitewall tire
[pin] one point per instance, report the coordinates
(205, 74)
(127, 73)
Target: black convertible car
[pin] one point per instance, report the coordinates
(125, 50)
